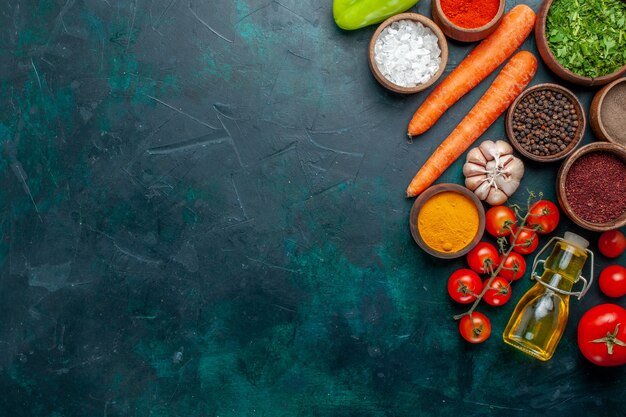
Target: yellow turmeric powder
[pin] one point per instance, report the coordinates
(448, 222)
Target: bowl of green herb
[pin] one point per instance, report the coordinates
(583, 41)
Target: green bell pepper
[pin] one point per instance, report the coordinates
(355, 14)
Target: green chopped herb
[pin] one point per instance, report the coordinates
(588, 36)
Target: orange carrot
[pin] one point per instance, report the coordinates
(515, 27)
(513, 78)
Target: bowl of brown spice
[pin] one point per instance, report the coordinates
(545, 123)
(607, 112)
(591, 186)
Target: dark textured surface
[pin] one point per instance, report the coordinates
(203, 214)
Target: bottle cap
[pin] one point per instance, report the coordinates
(575, 240)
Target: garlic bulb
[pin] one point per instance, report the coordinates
(492, 172)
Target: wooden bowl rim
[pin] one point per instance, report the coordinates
(425, 196)
(542, 18)
(562, 177)
(580, 131)
(494, 21)
(600, 100)
(443, 45)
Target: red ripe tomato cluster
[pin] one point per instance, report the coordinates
(466, 285)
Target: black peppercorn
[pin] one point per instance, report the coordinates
(544, 123)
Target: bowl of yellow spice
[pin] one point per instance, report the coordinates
(447, 220)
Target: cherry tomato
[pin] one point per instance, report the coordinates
(496, 218)
(544, 215)
(526, 242)
(463, 285)
(612, 243)
(498, 293)
(613, 281)
(475, 330)
(602, 335)
(481, 254)
(514, 267)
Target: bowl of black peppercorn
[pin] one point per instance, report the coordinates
(545, 123)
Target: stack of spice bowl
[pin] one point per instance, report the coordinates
(468, 20)
(408, 53)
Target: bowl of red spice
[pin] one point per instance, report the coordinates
(591, 186)
(468, 20)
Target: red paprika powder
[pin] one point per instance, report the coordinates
(470, 14)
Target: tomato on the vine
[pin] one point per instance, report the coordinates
(496, 220)
(543, 216)
(612, 243)
(514, 267)
(475, 329)
(602, 335)
(612, 281)
(526, 242)
(499, 292)
(463, 285)
(482, 254)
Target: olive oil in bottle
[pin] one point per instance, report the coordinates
(539, 319)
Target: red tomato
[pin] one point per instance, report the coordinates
(481, 254)
(498, 293)
(526, 242)
(514, 267)
(463, 285)
(475, 330)
(613, 281)
(496, 219)
(602, 335)
(544, 215)
(612, 243)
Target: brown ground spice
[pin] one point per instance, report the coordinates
(613, 111)
(595, 187)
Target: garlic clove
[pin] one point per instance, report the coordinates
(503, 148)
(470, 169)
(491, 167)
(514, 169)
(476, 156)
(506, 159)
(472, 183)
(496, 197)
(483, 190)
(507, 184)
(488, 148)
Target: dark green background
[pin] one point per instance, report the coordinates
(203, 214)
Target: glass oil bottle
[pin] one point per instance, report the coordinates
(539, 319)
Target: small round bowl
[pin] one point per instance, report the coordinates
(600, 108)
(550, 60)
(424, 197)
(562, 177)
(443, 45)
(462, 34)
(577, 136)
